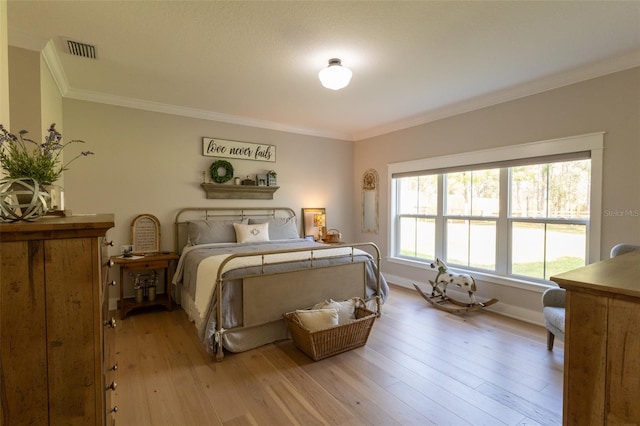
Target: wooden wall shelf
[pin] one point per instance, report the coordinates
(236, 192)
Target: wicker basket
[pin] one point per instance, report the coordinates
(333, 236)
(331, 341)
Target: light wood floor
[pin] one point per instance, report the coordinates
(420, 366)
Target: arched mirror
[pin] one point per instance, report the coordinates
(370, 184)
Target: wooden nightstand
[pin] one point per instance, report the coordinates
(138, 264)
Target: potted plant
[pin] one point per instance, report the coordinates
(28, 165)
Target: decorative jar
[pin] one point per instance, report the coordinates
(22, 199)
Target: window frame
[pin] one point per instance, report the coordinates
(592, 142)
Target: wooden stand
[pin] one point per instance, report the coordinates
(451, 305)
(149, 262)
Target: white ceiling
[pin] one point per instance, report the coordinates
(256, 63)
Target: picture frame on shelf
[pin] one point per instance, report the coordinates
(127, 250)
(310, 218)
(272, 178)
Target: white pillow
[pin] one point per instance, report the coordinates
(252, 233)
(346, 309)
(317, 319)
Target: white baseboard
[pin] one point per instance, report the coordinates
(512, 311)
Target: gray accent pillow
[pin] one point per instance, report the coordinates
(212, 231)
(280, 228)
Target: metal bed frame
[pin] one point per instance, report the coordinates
(315, 282)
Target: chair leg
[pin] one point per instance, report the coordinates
(550, 339)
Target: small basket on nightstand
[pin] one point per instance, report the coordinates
(333, 236)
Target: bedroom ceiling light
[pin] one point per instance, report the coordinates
(335, 76)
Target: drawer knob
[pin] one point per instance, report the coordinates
(112, 386)
(112, 283)
(114, 368)
(110, 263)
(114, 409)
(108, 243)
(110, 323)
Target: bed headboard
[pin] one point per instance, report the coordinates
(222, 213)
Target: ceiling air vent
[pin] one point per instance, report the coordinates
(81, 49)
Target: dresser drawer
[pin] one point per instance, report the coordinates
(110, 362)
(54, 369)
(150, 264)
(105, 268)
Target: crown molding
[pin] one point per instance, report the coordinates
(51, 58)
(576, 75)
(85, 95)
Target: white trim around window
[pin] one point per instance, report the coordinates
(593, 142)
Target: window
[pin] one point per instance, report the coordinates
(523, 217)
(472, 206)
(548, 217)
(417, 216)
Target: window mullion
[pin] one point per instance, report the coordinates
(440, 232)
(502, 227)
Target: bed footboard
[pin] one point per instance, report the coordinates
(265, 297)
(280, 293)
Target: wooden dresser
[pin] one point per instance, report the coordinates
(602, 342)
(57, 339)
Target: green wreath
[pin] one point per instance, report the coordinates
(228, 171)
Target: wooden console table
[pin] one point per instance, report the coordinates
(602, 342)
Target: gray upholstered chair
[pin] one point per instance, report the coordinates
(553, 310)
(553, 301)
(623, 248)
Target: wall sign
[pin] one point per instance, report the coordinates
(145, 234)
(239, 150)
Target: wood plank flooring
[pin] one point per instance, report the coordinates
(421, 366)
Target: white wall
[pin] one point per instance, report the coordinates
(36, 101)
(610, 104)
(50, 105)
(4, 66)
(147, 162)
(24, 86)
